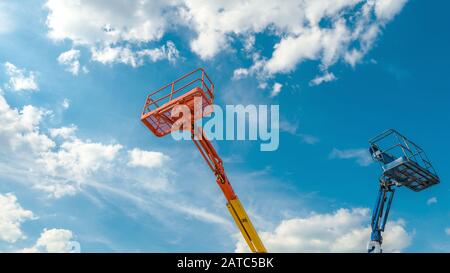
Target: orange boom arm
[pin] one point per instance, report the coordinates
(234, 205)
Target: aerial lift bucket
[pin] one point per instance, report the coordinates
(403, 163)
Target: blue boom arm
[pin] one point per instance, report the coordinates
(380, 215)
(382, 205)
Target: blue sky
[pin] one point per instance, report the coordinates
(81, 183)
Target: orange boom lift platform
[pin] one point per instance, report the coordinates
(157, 117)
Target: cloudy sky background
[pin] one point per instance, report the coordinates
(76, 164)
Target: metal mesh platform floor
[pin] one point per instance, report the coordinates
(410, 174)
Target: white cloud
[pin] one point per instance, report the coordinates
(249, 43)
(353, 56)
(326, 77)
(19, 131)
(109, 55)
(208, 44)
(447, 231)
(70, 59)
(240, 73)
(276, 89)
(75, 161)
(64, 132)
(432, 200)
(20, 79)
(114, 28)
(66, 103)
(165, 52)
(353, 26)
(293, 129)
(55, 241)
(8, 24)
(289, 127)
(257, 69)
(344, 230)
(362, 156)
(57, 168)
(200, 213)
(309, 139)
(12, 215)
(108, 22)
(119, 54)
(325, 31)
(291, 51)
(148, 159)
(60, 163)
(387, 9)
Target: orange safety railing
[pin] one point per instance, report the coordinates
(169, 92)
